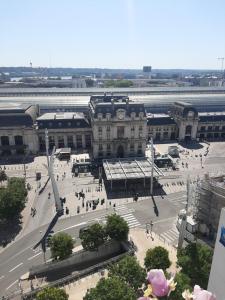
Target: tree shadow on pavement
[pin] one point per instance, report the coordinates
(9, 230)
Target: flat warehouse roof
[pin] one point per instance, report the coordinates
(129, 168)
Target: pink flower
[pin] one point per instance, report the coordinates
(200, 294)
(143, 298)
(160, 286)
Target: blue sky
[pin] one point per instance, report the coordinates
(112, 33)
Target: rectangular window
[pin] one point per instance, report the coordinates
(61, 142)
(217, 128)
(209, 128)
(100, 148)
(42, 143)
(165, 135)
(79, 141)
(120, 132)
(4, 140)
(70, 141)
(131, 147)
(88, 140)
(108, 147)
(108, 128)
(139, 152)
(202, 128)
(51, 142)
(18, 140)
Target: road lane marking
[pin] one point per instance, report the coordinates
(11, 284)
(164, 220)
(34, 256)
(76, 225)
(16, 267)
(2, 277)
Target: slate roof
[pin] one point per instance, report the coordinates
(110, 104)
(211, 118)
(16, 120)
(160, 120)
(8, 108)
(62, 120)
(185, 107)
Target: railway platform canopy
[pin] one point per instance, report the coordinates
(128, 169)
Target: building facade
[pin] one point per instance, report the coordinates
(118, 127)
(114, 126)
(65, 130)
(217, 274)
(18, 134)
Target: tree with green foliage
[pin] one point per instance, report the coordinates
(61, 246)
(183, 283)
(112, 288)
(117, 228)
(130, 271)
(12, 199)
(119, 83)
(52, 293)
(157, 258)
(195, 260)
(93, 237)
(3, 176)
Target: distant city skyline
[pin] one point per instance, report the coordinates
(118, 34)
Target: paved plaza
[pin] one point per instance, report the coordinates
(194, 161)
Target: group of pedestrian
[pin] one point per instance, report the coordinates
(33, 211)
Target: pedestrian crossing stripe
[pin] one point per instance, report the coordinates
(171, 235)
(126, 214)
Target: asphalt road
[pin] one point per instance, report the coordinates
(19, 256)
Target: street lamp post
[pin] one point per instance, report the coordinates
(152, 170)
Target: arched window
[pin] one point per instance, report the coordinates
(188, 129)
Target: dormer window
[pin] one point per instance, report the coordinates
(108, 116)
(133, 114)
(141, 115)
(190, 114)
(99, 116)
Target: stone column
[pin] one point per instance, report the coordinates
(56, 142)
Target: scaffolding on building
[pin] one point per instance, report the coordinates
(207, 203)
